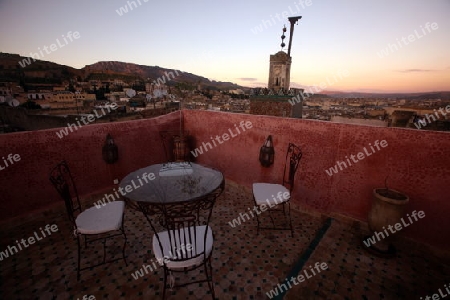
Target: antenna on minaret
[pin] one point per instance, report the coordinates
(282, 38)
(293, 21)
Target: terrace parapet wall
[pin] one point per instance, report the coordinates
(416, 163)
(25, 185)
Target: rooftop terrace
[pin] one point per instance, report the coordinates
(330, 212)
(245, 265)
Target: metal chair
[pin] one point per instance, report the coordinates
(183, 240)
(275, 197)
(176, 145)
(100, 223)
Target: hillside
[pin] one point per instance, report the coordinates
(38, 72)
(14, 67)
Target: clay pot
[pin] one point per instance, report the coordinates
(387, 208)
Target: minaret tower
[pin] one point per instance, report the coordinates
(280, 63)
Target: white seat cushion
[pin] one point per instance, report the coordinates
(195, 247)
(265, 193)
(100, 220)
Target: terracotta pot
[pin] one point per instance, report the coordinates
(388, 207)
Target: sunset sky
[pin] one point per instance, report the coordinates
(232, 40)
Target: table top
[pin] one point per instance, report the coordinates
(163, 183)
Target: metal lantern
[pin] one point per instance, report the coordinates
(180, 148)
(267, 153)
(110, 151)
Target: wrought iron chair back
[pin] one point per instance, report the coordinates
(183, 222)
(293, 156)
(62, 180)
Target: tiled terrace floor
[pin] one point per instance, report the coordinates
(245, 265)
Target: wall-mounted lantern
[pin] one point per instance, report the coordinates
(267, 153)
(110, 151)
(180, 148)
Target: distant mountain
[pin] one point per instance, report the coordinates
(366, 93)
(14, 67)
(419, 96)
(38, 72)
(155, 73)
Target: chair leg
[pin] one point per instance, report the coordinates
(125, 240)
(290, 219)
(79, 257)
(104, 250)
(258, 225)
(209, 277)
(124, 246)
(257, 219)
(165, 283)
(271, 218)
(286, 212)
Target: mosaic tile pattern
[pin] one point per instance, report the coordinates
(245, 265)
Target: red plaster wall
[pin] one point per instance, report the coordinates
(417, 163)
(25, 185)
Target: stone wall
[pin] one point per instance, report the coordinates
(38, 120)
(357, 121)
(264, 106)
(20, 117)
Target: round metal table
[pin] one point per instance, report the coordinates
(170, 185)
